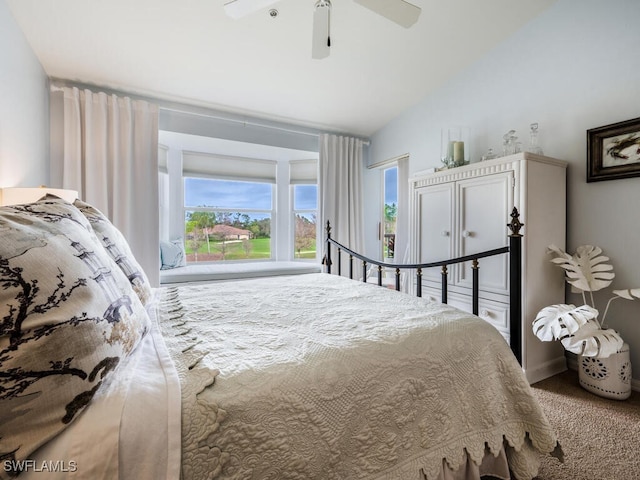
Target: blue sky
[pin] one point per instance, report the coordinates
(306, 197)
(205, 192)
(391, 186)
(200, 192)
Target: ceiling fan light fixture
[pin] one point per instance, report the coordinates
(321, 39)
(399, 11)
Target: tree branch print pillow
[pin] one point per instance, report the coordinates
(118, 248)
(69, 317)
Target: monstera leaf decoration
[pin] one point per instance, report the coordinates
(587, 269)
(592, 341)
(629, 293)
(577, 329)
(557, 322)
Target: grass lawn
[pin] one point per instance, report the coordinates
(311, 253)
(234, 250)
(260, 248)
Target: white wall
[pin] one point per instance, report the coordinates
(573, 68)
(24, 109)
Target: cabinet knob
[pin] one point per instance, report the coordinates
(467, 234)
(445, 233)
(485, 313)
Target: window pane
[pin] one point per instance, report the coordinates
(218, 236)
(305, 197)
(208, 192)
(305, 235)
(391, 185)
(390, 210)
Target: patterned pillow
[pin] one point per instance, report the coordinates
(68, 317)
(118, 248)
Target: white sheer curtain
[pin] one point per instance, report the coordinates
(111, 159)
(341, 197)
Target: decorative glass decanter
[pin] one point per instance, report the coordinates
(509, 142)
(534, 146)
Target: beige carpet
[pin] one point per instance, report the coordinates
(600, 437)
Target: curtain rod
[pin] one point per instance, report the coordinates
(170, 107)
(388, 161)
(243, 122)
(251, 123)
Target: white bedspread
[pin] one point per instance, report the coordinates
(320, 377)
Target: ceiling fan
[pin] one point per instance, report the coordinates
(399, 11)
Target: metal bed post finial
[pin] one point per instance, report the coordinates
(515, 225)
(326, 261)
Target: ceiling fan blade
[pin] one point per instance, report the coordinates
(240, 8)
(321, 40)
(398, 11)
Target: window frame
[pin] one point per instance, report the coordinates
(382, 233)
(271, 213)
(211, 157)
(292, 221)
(282, 210)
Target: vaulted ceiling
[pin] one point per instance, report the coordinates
(260, 65)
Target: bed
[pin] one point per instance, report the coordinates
(312, 376)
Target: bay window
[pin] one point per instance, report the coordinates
(233, 208)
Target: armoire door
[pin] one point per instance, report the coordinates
(481, 224)
(435, 226)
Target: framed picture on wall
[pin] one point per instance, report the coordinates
(613, 151)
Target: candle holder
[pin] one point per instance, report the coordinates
(455, 146)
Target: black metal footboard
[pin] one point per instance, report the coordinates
(513, 250)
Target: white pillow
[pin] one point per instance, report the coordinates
(172, 254)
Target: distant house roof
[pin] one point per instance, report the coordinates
(228, 231)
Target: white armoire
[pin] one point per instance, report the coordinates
(465, 210)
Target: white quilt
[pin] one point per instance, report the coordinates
(320, 377)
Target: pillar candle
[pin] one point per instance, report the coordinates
(458, 152)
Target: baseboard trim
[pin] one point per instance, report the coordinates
(546, 370)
